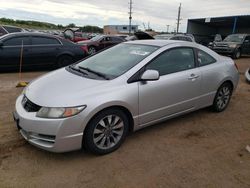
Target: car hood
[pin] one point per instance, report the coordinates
(226, 43)
(63, 89)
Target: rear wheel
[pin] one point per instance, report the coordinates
(64, 61)
(222, 97)
(92, 50)
(106, 131)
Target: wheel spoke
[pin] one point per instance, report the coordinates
(102, 123)
(116, 120)
(98, 131)
(109, 120)
(118, 132)
(118, 126)
(103, 141)
(97, 139)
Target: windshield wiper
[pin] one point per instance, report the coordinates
(77, 69)
(94, 72)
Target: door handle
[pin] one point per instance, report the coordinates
(193, 77)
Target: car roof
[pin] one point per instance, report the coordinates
(28, 34)
(159, 43)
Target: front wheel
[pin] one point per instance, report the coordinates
(64, 60)
(222, 97)
(106, 131)
(237, 54)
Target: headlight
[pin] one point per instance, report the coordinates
(232, 45)
(46, 112)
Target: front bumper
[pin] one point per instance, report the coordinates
(55, 135)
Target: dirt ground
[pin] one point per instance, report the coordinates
(201, 149)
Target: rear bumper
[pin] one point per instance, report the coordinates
(55, 135)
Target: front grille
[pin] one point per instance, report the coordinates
(30, 106)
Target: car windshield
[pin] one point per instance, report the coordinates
(115, 61)
(96, 38)
(234, 38)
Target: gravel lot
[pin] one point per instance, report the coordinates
(201, 149)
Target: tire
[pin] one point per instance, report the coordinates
(237, 54)
(222, 97)
(64, 60)
(91, 50)
(106, 131)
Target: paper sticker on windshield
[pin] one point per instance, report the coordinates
(138, 52)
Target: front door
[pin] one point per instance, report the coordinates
(12, 50)
(177, 89)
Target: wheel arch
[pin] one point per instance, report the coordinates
(120, 107)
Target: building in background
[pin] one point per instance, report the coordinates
(205, 28)
(119, 29)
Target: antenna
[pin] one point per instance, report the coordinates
(130, 15)
(179, 18)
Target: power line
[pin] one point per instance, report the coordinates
(130, 15)
(179, 18)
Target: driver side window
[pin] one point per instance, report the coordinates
(174, 60)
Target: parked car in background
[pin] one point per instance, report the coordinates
(74, 35)
(182, 37)
(100, 42)
(139, 35)
(5, 29)
(96, 102)
(234, 45)
(39, 51)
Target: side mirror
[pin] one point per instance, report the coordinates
(246, 41)
(150, 75)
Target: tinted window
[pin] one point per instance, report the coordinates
(204, 58)
(247, 38)
(12, 29)
(116, 39)
(44, 40)
(2, 31)
(174, 60)
(17, 41)
(188, 39)
(175, 38)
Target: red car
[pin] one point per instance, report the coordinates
(100, 42)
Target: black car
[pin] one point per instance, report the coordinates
(234, 45)
(5, 29)
(38, 51)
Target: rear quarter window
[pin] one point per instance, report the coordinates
(204, 58)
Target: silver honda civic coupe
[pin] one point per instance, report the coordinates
(96, 102)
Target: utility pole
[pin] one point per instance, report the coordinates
(179, 18)
(168, 28)
(130, 15)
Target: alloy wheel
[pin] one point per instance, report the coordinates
(108, 132)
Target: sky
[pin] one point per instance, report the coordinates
(158, 13)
